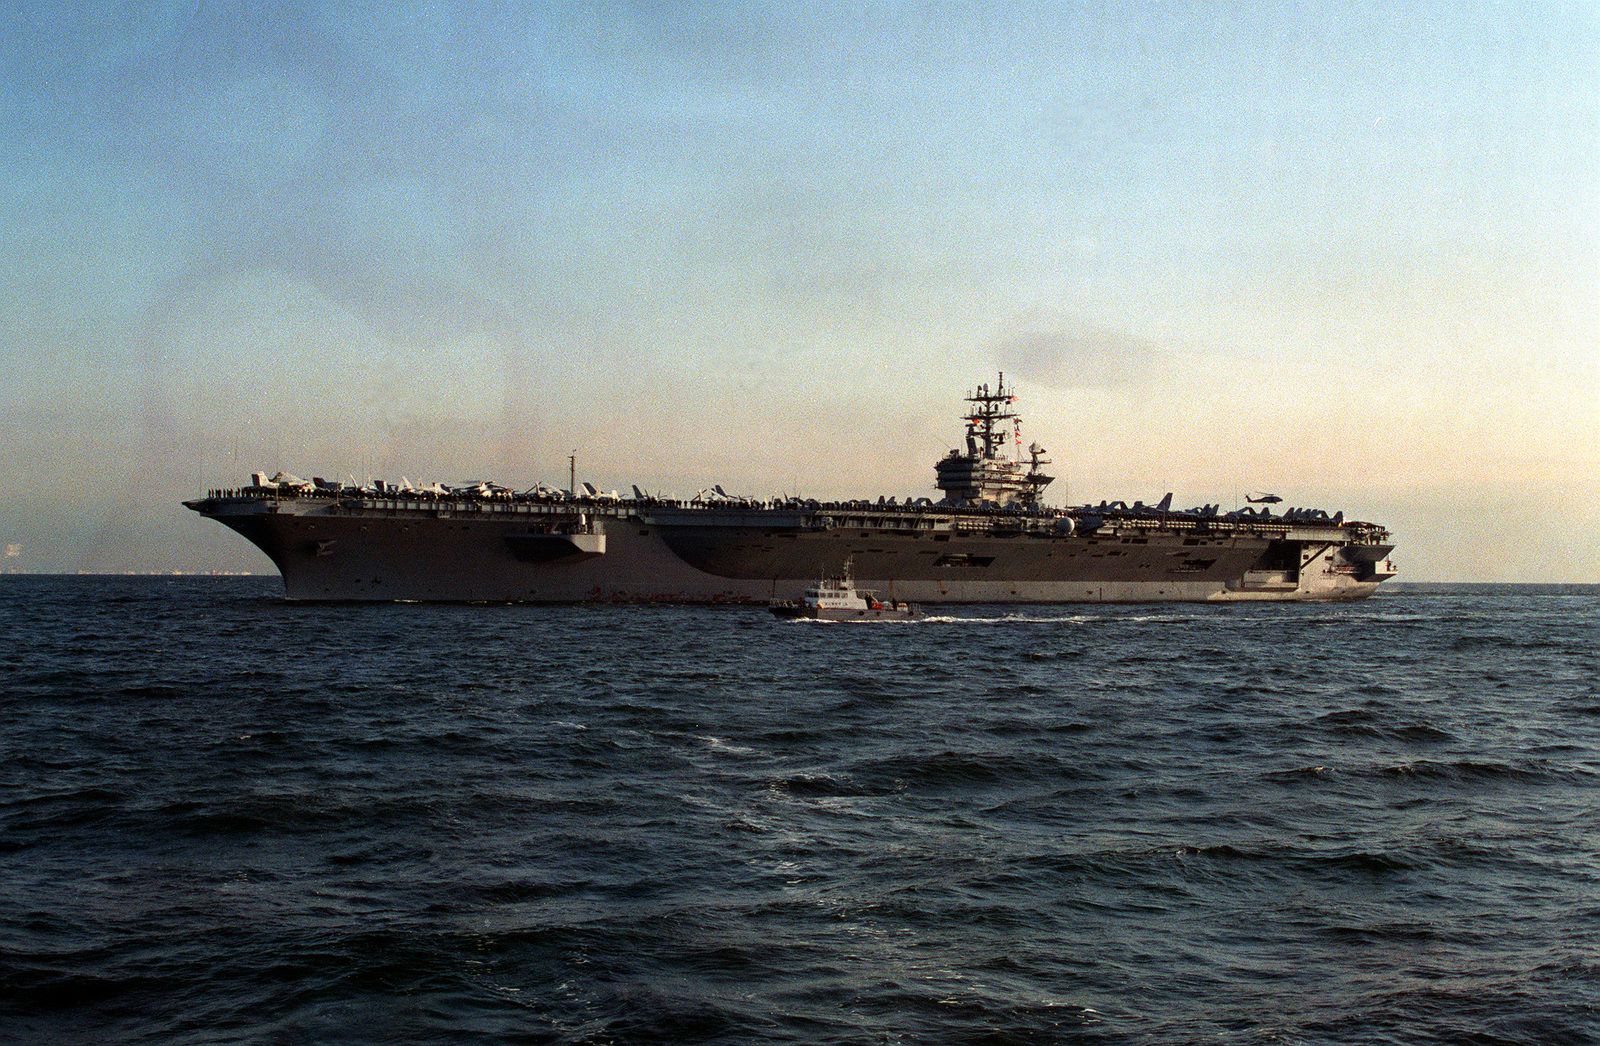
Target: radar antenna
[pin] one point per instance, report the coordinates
(1036, 478)
(985, 421)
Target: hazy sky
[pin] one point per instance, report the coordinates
(1346, 252)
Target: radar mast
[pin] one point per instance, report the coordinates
(986, 420)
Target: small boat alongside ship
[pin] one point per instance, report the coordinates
(838, 599)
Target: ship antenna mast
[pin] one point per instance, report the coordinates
(986, 428)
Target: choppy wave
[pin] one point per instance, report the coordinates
(230, 820)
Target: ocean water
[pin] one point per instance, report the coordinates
(228, 819)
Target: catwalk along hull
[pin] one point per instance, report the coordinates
(592, 550)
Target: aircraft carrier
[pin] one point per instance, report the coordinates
(990, 538)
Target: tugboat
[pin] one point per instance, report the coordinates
(837, 599)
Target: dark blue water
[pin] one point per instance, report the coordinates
(225, 819)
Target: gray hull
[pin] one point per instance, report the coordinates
(344, 549)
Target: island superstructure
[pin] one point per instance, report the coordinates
(989, 539)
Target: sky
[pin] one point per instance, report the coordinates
(1348, 253)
